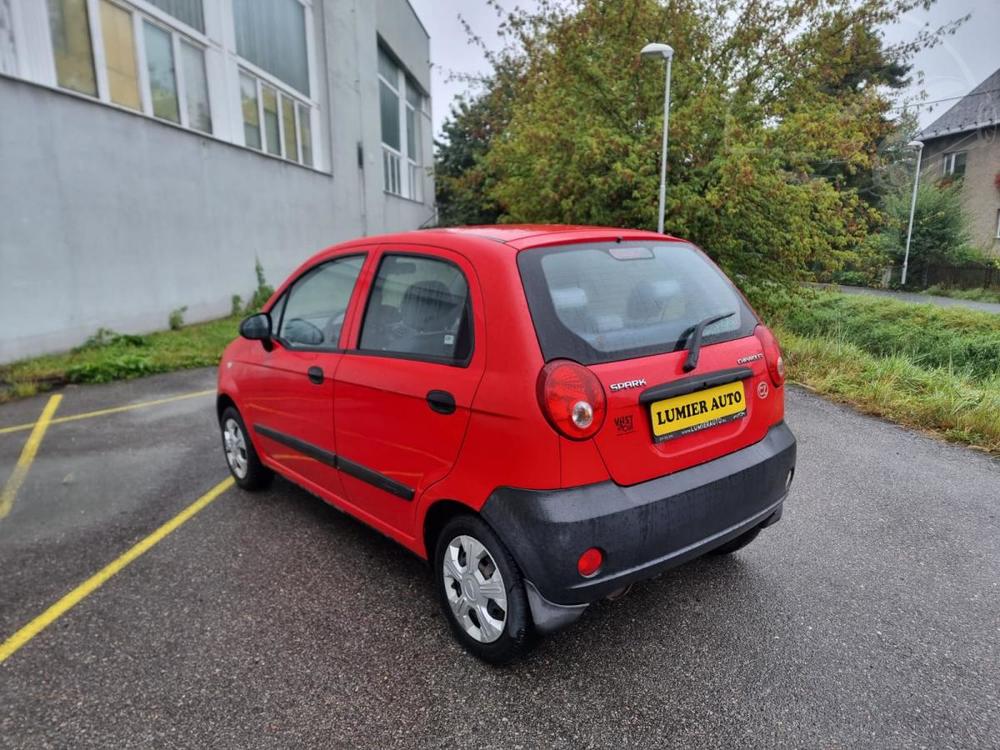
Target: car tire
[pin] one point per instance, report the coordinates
(736, 544)
(242, 459)
(468, 555)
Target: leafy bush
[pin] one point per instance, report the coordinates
(117, 368)
(176, 319)
(976, 295)
(929, 336)
(105, 337)
(236, 305)
(262, 293)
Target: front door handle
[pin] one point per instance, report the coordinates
(315, 375)
(441, 401)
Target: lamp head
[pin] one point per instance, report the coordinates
(916, 144)
(655, 49)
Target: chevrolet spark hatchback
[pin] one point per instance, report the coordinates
(546, 414)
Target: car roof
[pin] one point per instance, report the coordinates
(519, 236)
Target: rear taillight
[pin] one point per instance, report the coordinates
(772, 354)
(572, 399)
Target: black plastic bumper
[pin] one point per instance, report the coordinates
(643, 529)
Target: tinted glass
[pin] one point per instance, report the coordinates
(315, 308)
(119, 55)
(188, 11)
(288, 123)
(251, 114)
(71, 45)
(419, 307)
(196, 87)
(160, 63)
(611, 301)
(389, 109)
(305, 135)
(270, 97)
(272, 35)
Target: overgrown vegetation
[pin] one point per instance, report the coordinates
(953, 338)
(919, 365)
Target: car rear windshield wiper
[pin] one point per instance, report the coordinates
(694, 340)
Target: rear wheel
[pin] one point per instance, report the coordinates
(481, 591)
(244, 464)
(738, 543)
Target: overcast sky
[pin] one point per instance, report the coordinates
(950, 70)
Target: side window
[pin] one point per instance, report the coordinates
(315, 307)
(419, 306)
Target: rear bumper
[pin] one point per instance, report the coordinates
(643, 529)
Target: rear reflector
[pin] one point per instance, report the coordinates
(590, 562)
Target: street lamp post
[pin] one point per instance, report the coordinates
(665, 52)
(919, 146)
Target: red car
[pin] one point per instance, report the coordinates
(547, 414)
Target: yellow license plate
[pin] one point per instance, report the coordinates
(682, 415)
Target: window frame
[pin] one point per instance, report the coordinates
(282, 301)
(949, 164)
(470, 318)
(283, 93)
(405, 162)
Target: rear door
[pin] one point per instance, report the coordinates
(403, 395)
(291, 386)
(628, 311)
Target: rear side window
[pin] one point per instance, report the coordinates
(419, 309)
(314, 308)
(604, 302)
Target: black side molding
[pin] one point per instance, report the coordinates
(308, 449)
(371, 476)
(694, 383)
(356, 470)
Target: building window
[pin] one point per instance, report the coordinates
(144, 64)
(120, 56)
(275, 121)
(401, 109)
(272, 36)
(954, 164)
(69, 26)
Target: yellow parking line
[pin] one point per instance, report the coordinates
(74, 597)
(28, 453)
(112, 410)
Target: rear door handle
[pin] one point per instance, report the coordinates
(315, 375)
(441, 401)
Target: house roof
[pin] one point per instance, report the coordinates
(977, 109)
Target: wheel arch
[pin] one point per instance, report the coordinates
(222, 402)
(437, 515)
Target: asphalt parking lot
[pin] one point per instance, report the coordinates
(868, 617)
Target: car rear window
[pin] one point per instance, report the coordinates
(604, 302)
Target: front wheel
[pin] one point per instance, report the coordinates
(481, 591)
(244, 464)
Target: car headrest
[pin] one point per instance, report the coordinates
(569, 298)
(428, 306)
(648, 298)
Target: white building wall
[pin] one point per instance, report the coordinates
(109, 218)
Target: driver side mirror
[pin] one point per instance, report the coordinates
(257, 328)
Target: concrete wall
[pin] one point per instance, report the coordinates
(112, 219)
(980, 196)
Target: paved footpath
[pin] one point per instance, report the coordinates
(868, 617)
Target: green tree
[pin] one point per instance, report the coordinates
(940, 230)
(774, 104)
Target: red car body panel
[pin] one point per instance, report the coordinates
(371, 409)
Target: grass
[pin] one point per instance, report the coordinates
(931, 337)
(976, 295)
(109, 356)
(960, 407)
(931, 368)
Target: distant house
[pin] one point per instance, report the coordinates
(964, 144)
